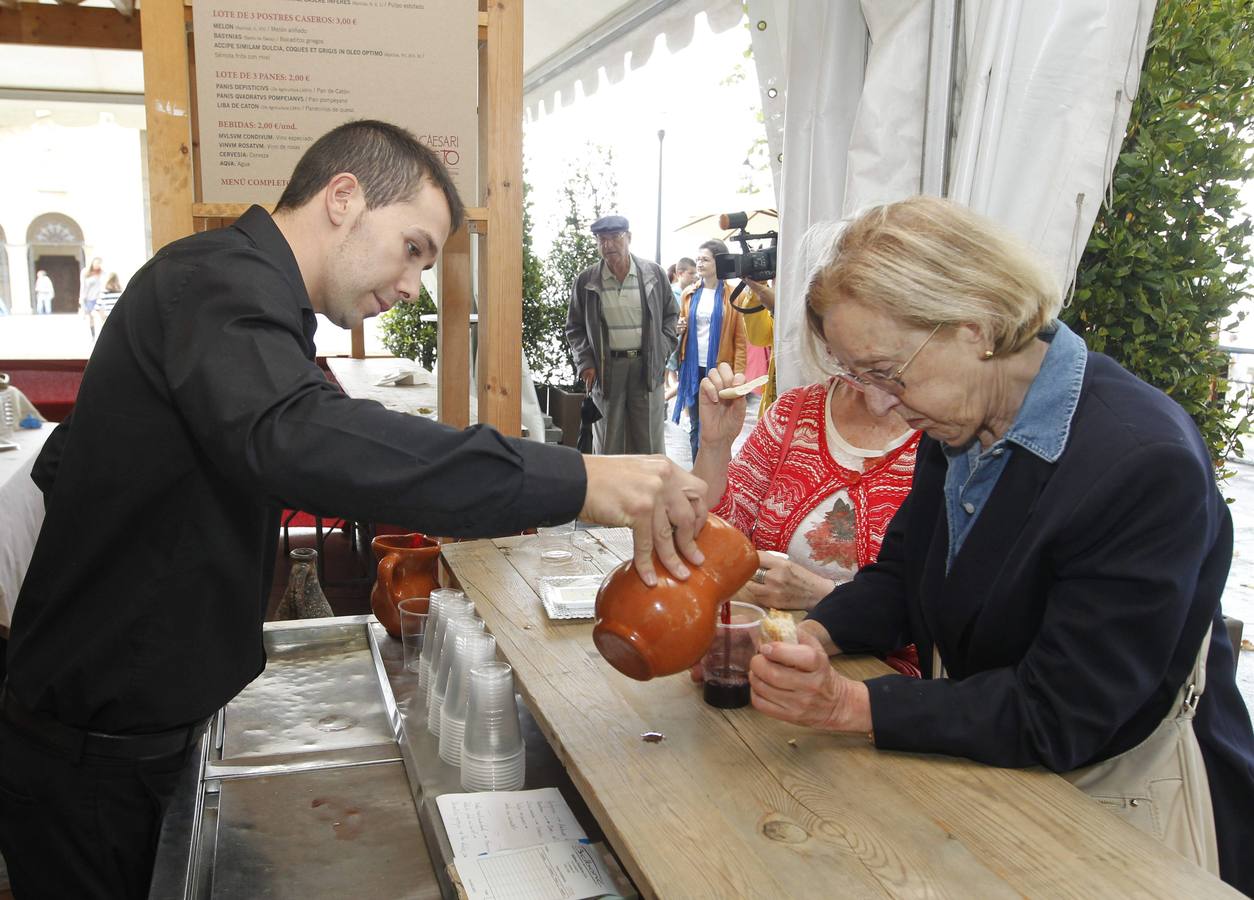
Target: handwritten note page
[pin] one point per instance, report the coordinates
(506, 820)
(561, 871)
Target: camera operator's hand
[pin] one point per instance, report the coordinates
(721, 420)
(764, 292)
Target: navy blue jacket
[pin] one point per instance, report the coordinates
(1074, 610)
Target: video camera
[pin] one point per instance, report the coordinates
(758, 264)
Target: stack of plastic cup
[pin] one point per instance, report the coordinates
(448, 653)
(450, 608)
(493, 755)
(438, 596)
(471, 649)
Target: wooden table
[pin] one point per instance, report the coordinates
(21, 513)
(734, 804)
(358, 376)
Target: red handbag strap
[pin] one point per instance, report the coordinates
(786, 443)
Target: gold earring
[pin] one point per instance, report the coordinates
(988, 354)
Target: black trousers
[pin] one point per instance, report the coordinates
(82, 828)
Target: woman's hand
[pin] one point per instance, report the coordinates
(764, 292)
(721, 420)
(796, 683)
(783, 584)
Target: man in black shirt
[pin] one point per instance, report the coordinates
(201, 414)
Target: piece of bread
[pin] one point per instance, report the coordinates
(779, 626)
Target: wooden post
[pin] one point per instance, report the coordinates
(500, 301)
(168, 108)
(453, 347)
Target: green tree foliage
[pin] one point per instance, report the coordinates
(405, 335)
(543, 313)
(1168, 257)
(589, 193)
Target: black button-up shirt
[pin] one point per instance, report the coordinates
(201, 414)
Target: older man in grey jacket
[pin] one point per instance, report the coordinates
(621, 330)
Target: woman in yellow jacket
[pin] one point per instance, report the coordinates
(710, 332)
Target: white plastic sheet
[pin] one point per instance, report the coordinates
(1041, 101)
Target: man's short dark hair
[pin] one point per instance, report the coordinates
(387, 160)
(687, 262)
(715, 247)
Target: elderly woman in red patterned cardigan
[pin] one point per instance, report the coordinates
(814, 487)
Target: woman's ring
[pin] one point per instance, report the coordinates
(759, 576)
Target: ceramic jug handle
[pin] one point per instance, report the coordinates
(386, 567)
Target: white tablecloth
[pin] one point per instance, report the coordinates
(21, 514)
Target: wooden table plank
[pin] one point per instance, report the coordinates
(726, 805)
(357, 377)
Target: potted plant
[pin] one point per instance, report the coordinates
(405, 335)
(547, 286)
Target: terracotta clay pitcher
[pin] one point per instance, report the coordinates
(408, 567)
(646, 632)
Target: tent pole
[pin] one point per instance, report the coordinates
(942, 58)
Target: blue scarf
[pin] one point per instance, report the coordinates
(689, 383)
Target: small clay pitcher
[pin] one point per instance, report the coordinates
(408, 567)
(646, 632)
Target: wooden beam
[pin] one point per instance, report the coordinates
(453, 341)
(500, 303)
(69, 26)
(167, 104)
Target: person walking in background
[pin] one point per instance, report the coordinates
(710, 332)
(44, 293)
(621, 329)
(108, 297)
(682, 274)
(90, 284)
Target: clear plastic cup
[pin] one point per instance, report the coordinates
(414, 618)
(450, 608)
(493, 755)
(439, 677)
(556, 543)
(471, 649)
(438, 596)
(725, 666)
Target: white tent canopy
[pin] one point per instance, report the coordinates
(1017, 110)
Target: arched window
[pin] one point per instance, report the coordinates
(55, 245)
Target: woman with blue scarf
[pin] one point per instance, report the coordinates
(710, 332)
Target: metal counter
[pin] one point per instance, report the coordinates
(320, 779)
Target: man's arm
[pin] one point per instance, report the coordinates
(577, 333)
(670, 317)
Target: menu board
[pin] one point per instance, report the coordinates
(272, 76)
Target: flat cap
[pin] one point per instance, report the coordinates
(610, 223)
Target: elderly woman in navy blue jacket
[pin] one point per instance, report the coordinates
(1060, 560)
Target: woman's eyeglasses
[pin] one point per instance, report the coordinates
(889, 383)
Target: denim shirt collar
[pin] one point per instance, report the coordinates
(1044, 421)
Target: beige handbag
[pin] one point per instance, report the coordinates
(1160, 785)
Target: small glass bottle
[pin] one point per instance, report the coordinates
(303, 598)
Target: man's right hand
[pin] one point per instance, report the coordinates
(589, 377)
(662, 504)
